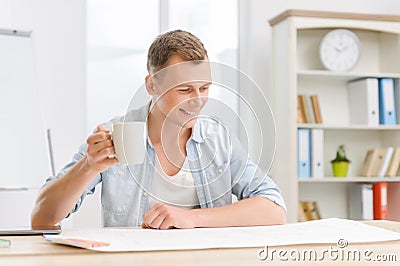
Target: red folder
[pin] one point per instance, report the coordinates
(380, 201)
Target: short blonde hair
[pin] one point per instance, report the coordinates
(177, 42)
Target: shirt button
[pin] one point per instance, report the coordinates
(145, 194)
(120, 172)
(220, 171)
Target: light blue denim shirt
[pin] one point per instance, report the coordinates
(219, 164)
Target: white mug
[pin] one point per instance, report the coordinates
(129, 142)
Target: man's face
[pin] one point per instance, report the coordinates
(181, 90)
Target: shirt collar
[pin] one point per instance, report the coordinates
(196, 132)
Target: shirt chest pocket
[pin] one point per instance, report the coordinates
(117, 192)
(219, 184)
(215, 172)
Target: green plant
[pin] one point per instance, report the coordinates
(340, 155)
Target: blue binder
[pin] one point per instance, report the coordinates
(387, 111)
(303, 153)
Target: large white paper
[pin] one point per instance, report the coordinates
(319, 231)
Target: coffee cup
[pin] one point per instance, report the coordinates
(129, 142)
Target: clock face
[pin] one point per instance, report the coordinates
(340, 50)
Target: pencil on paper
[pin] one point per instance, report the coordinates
(83, 243)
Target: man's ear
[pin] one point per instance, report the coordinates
(150, 85)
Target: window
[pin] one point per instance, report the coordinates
(119, 33)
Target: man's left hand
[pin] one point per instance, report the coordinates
(163, 216)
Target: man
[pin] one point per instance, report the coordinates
(207, 163)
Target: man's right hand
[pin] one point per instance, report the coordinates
(57, 198)
(100, 147)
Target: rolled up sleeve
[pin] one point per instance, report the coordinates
(89, 190)
(249, 180)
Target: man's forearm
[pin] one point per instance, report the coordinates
(247, 212)
(58, 197)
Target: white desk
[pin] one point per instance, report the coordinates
(34, 250)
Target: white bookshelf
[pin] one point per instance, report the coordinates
(353, 179)
(349, 127)
(296, 35)
(326, 75)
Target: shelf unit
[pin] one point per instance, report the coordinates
(353, 179)
(348, 127)
(296, 35)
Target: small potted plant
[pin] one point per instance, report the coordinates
(340, 164)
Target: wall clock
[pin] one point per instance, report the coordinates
(340, 50)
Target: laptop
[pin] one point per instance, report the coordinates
(28, 230)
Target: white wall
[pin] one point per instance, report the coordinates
(59, 36)
(255, 32)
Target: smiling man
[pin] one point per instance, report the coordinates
(193, 164)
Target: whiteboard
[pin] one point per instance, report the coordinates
(24, 159)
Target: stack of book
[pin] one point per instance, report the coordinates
(368, 201)
(380, 162)
(308, 109)
(308, 210)
(310, 153)
(374, 101)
